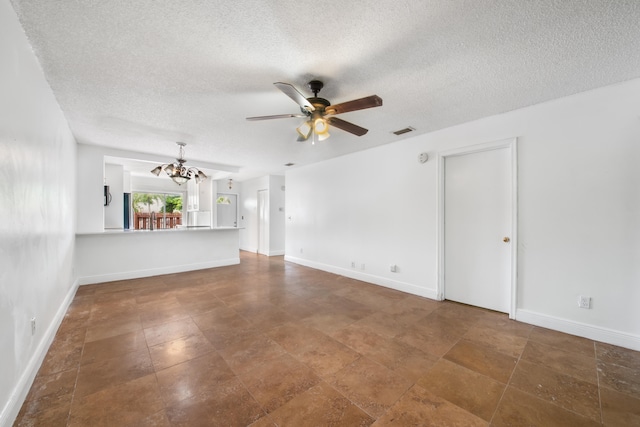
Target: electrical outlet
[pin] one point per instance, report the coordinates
(33, 326)
(301, 251)
(353, 264)
(393, 268)
(584, 302)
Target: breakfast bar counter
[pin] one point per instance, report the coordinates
(111, 255)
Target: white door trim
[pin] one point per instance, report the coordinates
(263, 203)
(218, 194)
(510, 144)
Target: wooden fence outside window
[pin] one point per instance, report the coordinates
(142, 220)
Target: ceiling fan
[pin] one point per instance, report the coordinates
(320, 113)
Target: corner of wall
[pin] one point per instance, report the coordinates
(19, 394)
(571, 327)
(369, 278)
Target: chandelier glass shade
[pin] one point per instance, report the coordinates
(178, 172)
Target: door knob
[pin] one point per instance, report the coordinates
(506, 239)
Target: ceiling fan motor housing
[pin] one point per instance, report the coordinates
(315, 86)
(318, 103)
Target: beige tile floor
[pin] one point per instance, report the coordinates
(271, 343)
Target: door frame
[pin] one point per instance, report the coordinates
(511, 145)
(261, 227)
(237, 205)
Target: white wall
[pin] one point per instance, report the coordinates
(276, 215)
(104, 257)
(37, 205)
(114, 212)
(89, 191)
(579, 211)
(249, 213)
(157, 185)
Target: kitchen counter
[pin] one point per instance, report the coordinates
(129, 254)
(160, 230)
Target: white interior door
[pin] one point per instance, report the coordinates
(478, 216)
(263, 222)
(227, 210)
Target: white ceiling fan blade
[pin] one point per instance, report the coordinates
(294, 94)
(277, 116)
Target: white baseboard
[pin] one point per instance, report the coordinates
(584, 330)
(369, 278)
(592, 332)
(255, 251)
(19, 394)
(136, 274)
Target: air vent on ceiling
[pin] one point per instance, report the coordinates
(289, 164)
(405, 130)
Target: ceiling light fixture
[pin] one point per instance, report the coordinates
(177, 171)
(320, 125)
(315, 126)
(304, 130)
(315, 109)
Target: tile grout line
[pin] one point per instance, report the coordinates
(552, 403)
(237, 377)
(509, 381)
(600, 377)
(236, 374)
(75, 384)
(595, 351)
(155, 374)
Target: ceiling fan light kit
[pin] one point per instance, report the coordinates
(320, 125)
(177, 171)
(321, 136)
(316, 110)
(304, 130)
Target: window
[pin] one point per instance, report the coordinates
(154, 211)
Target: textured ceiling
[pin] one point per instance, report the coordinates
(140, 75)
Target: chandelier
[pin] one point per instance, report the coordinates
(178, 172)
